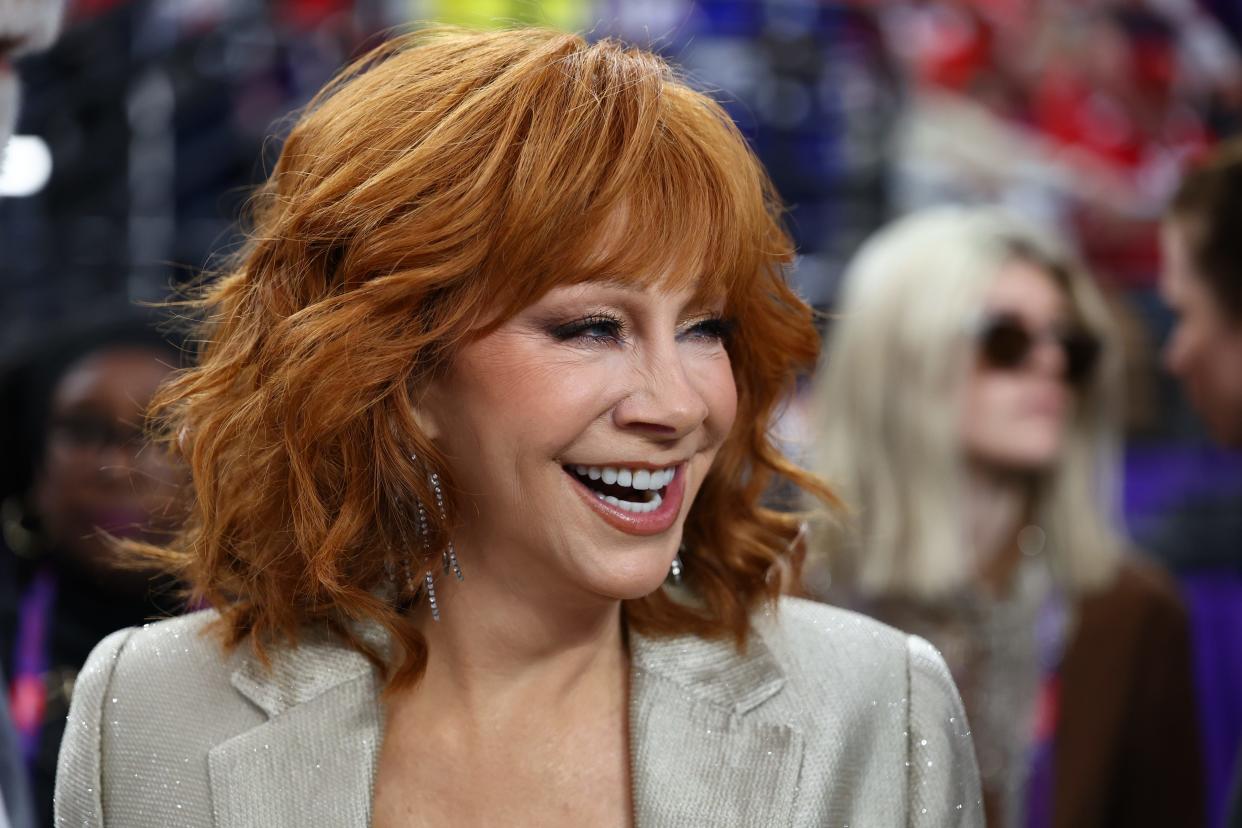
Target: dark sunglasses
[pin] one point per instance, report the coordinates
(1006, 343)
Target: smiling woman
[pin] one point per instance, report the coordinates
(502, 354)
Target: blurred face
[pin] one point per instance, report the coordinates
(580, 431)
(1204, 350)
(1017, 399)
(96, 472)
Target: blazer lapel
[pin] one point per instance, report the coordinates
(313, 761)
(699, 753)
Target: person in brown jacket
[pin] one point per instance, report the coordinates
(967, 411)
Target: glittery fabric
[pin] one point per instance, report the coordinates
(828, 718)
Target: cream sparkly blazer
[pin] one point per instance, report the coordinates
(828, 718)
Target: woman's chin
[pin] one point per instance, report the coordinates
(631, 583)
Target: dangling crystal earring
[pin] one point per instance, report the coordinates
(431, 596)
(450, 554)
(674, 570)
(429, 581)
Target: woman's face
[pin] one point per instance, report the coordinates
(1014, 417)
(97, 472)
(579, 433)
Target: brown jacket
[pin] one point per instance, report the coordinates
(1127, 744)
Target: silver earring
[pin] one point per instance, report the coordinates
(674, 570)
(429, 582)
(431, 596)
(450, 554)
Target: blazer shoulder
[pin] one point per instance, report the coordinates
(808, 631)
(173, 659)
(172, 653)
(829, 653)
(155, 698)
(812, 638)
(78, 796)
(885, 695)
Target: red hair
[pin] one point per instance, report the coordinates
(437, 186)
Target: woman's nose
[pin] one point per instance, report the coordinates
(664, 399)
(1048, 356)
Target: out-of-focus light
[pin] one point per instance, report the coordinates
(25, 166)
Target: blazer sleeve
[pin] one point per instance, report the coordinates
(79, 771)
(943, 776)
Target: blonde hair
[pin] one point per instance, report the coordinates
(887, 403)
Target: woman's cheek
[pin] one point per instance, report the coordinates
(721, 394)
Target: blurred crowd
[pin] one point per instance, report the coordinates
(1085, 575)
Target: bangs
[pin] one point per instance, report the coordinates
(628, 176)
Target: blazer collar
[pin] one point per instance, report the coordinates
(699, 752)
(715, 672)
(296, 675)
(313, 761)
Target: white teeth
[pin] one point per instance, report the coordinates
(638, 479)
(631, 506)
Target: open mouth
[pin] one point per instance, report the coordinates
(631, 489)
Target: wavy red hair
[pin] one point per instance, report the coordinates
(435, 187)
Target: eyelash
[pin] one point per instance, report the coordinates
(715, 328)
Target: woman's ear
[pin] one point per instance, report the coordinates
(426, 412)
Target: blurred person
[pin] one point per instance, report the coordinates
(1201, 281)
(478, 439)
(25, 26)
(75, 467)
(967, 407)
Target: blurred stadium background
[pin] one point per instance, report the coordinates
(1080, 114)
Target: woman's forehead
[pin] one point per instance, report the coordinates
(1027, 287)
(679, 291)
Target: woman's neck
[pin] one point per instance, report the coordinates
(524, 700)
(502, 641)
(998, 505)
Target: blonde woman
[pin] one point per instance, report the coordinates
(967, 404)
